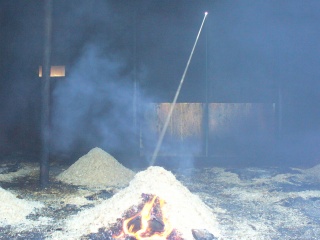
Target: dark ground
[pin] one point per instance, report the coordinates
(250, 203)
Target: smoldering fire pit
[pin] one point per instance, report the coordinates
(147, 221)
(155, 205)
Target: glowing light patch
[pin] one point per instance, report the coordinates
(55, 71)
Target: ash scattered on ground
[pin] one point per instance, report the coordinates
(249, 203)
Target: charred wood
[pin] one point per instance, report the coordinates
(203, 234)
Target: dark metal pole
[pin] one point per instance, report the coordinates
(206, 104)
(279, 120)
(135, 87)
(45, 95)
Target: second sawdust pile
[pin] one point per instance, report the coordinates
(97, 169)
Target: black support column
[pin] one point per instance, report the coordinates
(45, 95)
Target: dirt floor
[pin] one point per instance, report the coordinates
(249, 203)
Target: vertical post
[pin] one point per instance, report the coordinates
(206, 104)
(135, 88)
(45, 95)
(279, 118)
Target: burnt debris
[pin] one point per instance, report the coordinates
(203, 234)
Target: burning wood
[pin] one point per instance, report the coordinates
(175, 211)
(149, 222)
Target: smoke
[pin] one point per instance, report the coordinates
(249, 51)
(93, 106)
(258, 48)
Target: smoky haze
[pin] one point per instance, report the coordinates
(261, 47)
(249, 51)
(120, 43)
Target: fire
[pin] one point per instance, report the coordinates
(150, 223)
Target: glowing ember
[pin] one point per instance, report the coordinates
(150, 223)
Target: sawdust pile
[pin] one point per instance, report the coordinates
(185, 211)
(27, 169)
(97, 169)
(313, 172)
(14, 210)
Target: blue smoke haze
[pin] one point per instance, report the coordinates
(93, 106)
(252, 49)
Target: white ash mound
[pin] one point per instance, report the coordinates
(14, 210)
(97, 169)
(313, 172)
(185, 211)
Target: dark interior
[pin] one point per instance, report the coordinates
(235, 150)
(250, 95)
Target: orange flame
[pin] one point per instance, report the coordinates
(139, 225)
